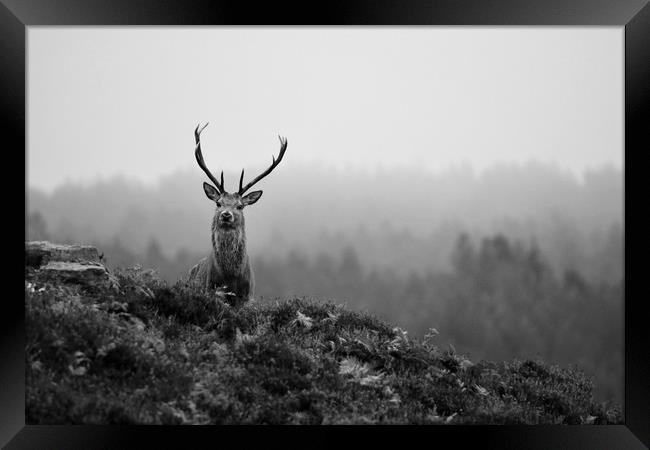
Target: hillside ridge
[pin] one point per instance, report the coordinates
(129, 348)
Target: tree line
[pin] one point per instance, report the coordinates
(499, 298)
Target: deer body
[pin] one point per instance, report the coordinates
(228, 265)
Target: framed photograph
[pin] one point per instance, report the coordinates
(377, 214)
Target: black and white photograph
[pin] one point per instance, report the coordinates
(325, 225)
(440, 238)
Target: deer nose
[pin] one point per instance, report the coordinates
(227, 216)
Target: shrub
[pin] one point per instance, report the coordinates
(150, 353)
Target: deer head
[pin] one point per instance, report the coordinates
(229, 213)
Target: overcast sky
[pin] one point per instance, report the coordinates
(124, 101)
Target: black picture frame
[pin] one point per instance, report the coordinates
(634, 15)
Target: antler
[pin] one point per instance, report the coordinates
(199, 159)
(283, 148)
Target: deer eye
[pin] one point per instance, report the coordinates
(218, 204)
(240, 206)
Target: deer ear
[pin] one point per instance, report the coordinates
(210, 191)
(251, 198)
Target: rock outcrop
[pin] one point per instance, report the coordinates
(74, 264)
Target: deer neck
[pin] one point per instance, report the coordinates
(229, 246)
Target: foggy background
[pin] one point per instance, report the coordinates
(466, 179)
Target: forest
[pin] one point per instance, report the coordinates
(518, 261)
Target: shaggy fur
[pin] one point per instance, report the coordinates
(228, 266)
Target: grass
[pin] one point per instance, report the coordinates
(144, 352)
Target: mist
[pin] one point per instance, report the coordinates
(403, 219)
(111, 101)
(469, 180)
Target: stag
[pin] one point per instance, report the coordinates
(228, 266)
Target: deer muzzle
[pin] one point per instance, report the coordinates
(226, 217)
